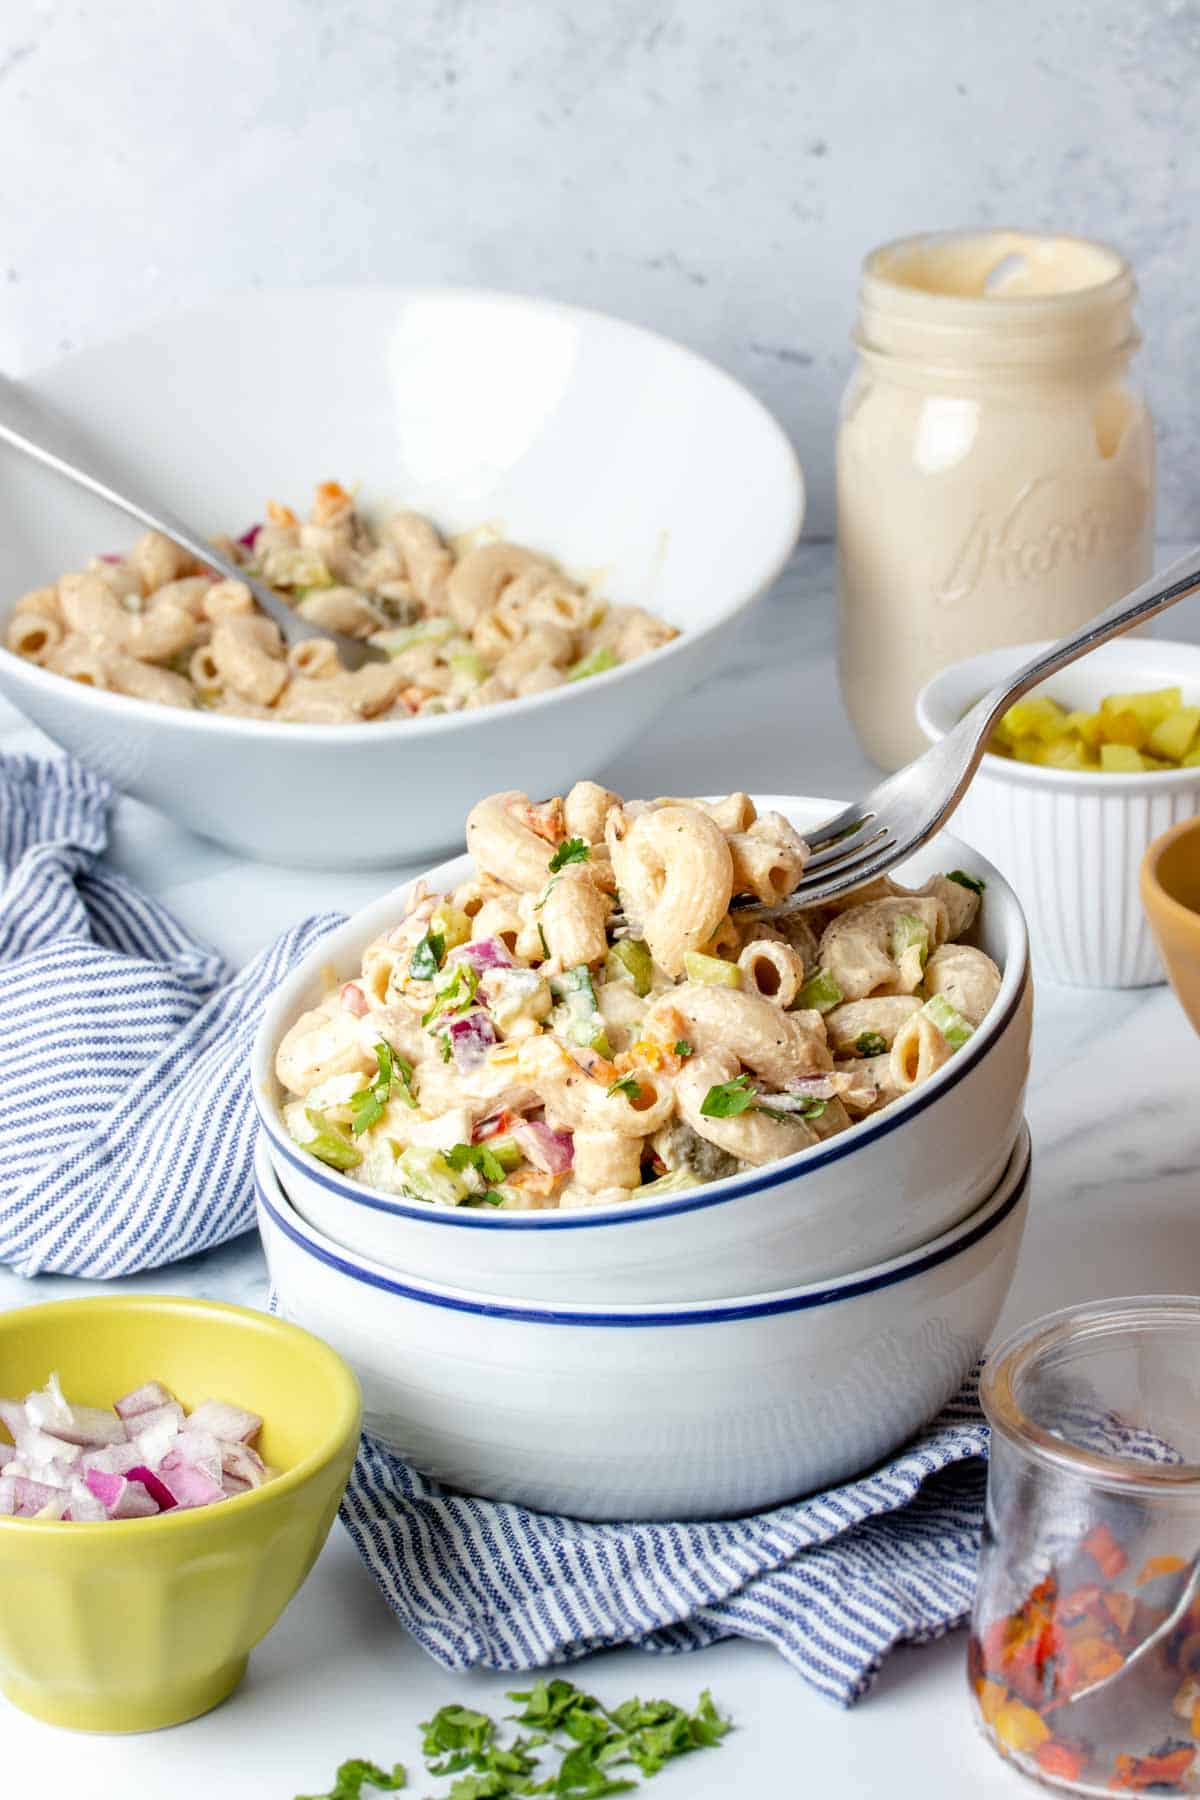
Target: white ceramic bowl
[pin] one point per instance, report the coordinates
(884, 1187)
(601, 443)
(1071, 842)
(654, 1413)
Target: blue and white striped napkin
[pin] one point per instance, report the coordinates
(126, 1125)
(126, 1142)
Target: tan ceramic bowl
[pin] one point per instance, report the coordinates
(1171, 896)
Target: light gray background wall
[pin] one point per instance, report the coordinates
(715, 168)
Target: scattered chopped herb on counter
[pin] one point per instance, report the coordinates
(968, 881)
(870, 1043)
(571, 850)
(627, 1085)
(588, 1740)
(348, 1783)
(427, 957)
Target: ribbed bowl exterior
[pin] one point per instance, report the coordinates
(1073, 855)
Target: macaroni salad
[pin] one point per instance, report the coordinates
(588, 1019)
(494, 621)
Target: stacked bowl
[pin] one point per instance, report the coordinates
(717, 1351)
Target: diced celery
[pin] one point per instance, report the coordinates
(429, 631)
(506, 1152)
(949, 1021)
(577, 1016)
(1121, 759)
(468, 670)
(910, 933)
(1150, 707)
(630, 960)
(820, 993)
(329, 1144)
(1036, 716)
(711, 970)
(451, 925)
(594, 664)
(1174, 736)
(427, 1175)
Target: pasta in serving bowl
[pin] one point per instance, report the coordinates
(587, 439)
(573, 1065)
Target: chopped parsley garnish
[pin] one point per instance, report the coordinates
(545, 945)
(571, 850)
(968, 881)
(870, 1043)
(729, 1099)
(683, 1048)
(477, 1156)
(427, 956)
(455, 995)
(627, 1085)
(394, 1077)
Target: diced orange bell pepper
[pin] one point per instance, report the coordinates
(991, 1698)
(1066, 1761)
(1019, 1727)
(1165, 1767)
(280, 515)
(1120, 1608)
(1105, 1551)
(1159, 1565)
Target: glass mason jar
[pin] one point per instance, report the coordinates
(1090, 1537)
(995, 465)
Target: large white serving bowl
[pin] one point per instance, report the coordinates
(1071, 841)
(611, 448)
(886, 1186)
(654, 1413)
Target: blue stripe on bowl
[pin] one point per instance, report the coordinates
(716, 1193)
(709, 1315)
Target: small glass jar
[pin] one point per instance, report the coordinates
(995, 464)
(1091, 1532)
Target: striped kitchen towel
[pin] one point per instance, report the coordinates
(126, 1125)
(832, 1582)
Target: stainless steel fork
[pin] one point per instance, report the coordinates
(875, 833)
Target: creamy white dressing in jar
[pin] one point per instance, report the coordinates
(995, 466)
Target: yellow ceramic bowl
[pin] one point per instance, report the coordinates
(140, 1623)
(1171, 896)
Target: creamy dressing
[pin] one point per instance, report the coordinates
(995, 469)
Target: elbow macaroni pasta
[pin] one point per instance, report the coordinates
(494, 623)
(585, 1019)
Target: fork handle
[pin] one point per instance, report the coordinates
(30, 426)
(1154, 596)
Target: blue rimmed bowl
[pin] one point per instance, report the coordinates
(888, 1185)
(653, 1412)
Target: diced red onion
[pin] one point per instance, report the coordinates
(109, 556)
(488, 953)
(190, 1485)
(249, 538)
(551, 1151)
(812, 1087)
(92, 1472)
(233, 1424)
(144, 1399)
(157, 1490)
(354, 1000)
(471, 1037)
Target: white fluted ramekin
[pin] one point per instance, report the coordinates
(1071, 841)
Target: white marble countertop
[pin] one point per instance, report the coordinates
(1116, 1134)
